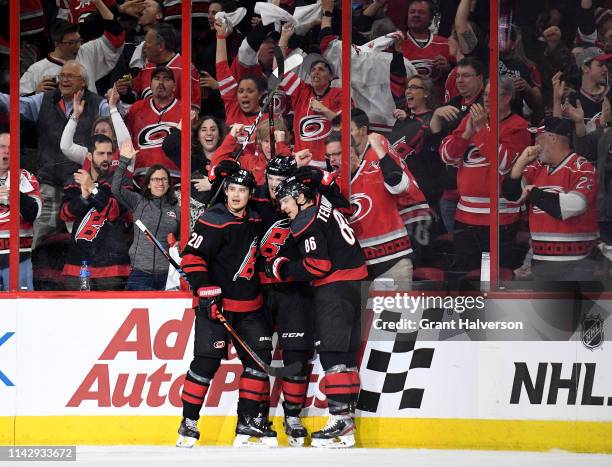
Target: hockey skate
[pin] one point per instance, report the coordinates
(254, 432)
(338, 433)
(295, 431)
(188, 433)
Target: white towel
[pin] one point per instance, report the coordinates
(231, 20)
(302, 15)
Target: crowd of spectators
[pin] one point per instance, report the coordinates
(101, 98)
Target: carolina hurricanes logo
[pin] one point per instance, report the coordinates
(245, 132)
(401, 149)
(90, 226)
(424, 67)
(314, 127)
(247, 268)
(363, 206)
(275, 238)
(280, 103)
(549, 189)
(152, 136)
(474, 157)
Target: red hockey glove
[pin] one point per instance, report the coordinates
(222, 169)
(210, 302)
(273, 267)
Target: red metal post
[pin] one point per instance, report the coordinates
(494, 121)
(345, 185)
(15, 169)
(186, 120)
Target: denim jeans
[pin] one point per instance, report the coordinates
(140, 280)
(25, 276)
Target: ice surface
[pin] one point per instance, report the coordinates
(203, 456)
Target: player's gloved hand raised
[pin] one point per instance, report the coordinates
(273, 268)
(209, 304)
(313, 177)
(223, 169)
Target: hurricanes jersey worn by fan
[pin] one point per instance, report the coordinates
(98, 233)
(141, 84)
(28, 186)
(328, 247)
(473, 160)
(149, 126)
(228, 87)
(422, 54)
(222, 251)
(573, 238)
(376, 219)
(310, 128)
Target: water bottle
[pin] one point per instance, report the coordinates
(84, 277)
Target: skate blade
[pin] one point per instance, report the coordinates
(296, 442)
(339, 442)
(185, 442)
(247, 441)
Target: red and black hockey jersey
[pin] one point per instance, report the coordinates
(141, 84)
(328, 246)
(222, 251)
(98, 234)
(568, 239)
(149, 126)
(473, 159)
(310, 128)
(276, 238)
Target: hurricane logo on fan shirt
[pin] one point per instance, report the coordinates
(474, 158)
(152, 136)
(424, 67)
(314, 127)
(241, 138)
(363, 206)
(90, 226)
(275, 238)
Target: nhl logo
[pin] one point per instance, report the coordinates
(592, 331)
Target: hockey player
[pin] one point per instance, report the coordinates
(219, 260)
(288, 301)
(332, 261)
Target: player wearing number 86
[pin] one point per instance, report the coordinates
(332, 261)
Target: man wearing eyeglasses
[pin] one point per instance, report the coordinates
(98, 56)
(50, 111)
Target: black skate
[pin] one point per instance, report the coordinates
(254, 431)
(188, 433)
(338, 433)
(295, 431)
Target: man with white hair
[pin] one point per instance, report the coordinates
(50, 110)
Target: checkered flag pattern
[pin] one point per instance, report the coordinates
(392, 362)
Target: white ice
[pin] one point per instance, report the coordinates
(202, 456)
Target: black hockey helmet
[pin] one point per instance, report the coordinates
(241, 177)
(292, 187)
(283, 166)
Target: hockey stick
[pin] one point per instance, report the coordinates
(280, 60)
(274, 83)
(289, 370)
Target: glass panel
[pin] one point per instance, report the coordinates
(559, 82)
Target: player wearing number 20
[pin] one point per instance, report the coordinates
(219, 260)
(333, 263)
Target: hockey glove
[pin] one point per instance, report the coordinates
(274, 266)
(223, 169)
(209, 304)
(313, 177)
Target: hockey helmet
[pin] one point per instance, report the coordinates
(282, 166)
(241, 177)
(292, 187)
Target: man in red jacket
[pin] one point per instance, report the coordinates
(470, 149)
